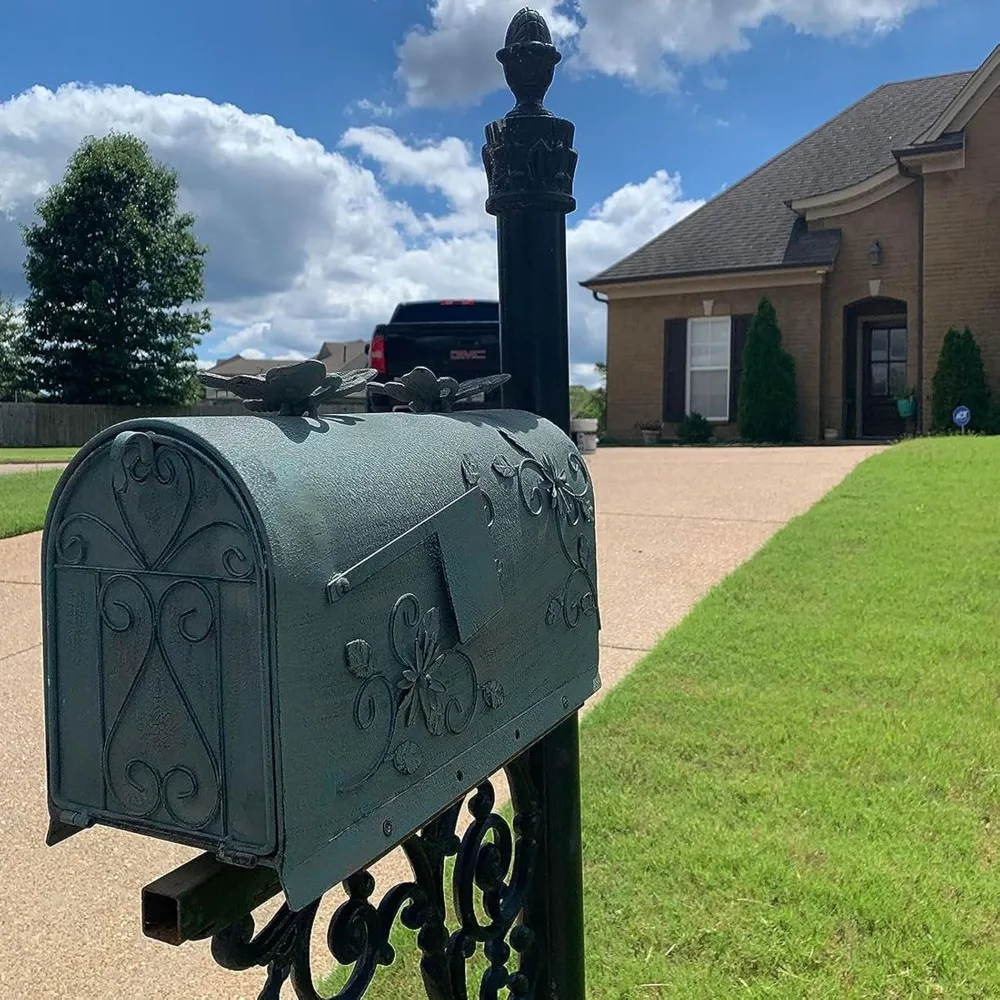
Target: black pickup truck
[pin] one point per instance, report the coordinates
(459, 338)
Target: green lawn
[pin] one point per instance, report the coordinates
(797, 794)
(24, 499)
(10, 456)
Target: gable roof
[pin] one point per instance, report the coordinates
(337, 356)
(750, 225)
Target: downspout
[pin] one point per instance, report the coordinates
(824, 347)
(604, 301)
(919, 178)
(920, 310)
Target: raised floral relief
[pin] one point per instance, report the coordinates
(433, 687)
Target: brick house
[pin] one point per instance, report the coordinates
(872, 236)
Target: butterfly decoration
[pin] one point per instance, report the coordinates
(424, 392)
(291, 390)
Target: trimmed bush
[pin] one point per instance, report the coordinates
(768, 407)
(694, 429)
(992, 423)
(960, 380)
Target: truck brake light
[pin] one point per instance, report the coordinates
(376, 355)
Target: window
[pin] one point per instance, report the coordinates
(887, 375)
(708, 367)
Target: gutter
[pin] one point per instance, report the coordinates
(715, 273)
(948, 143)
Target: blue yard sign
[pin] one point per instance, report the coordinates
(961, 416)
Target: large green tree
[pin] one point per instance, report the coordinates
(768, 408)
(13, 370)
(114, 270)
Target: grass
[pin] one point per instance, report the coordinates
(24, 499)
(27, 456)
(797, 794)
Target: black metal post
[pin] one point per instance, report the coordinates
(530, 163)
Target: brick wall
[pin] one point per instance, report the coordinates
(895, 223)
(636, 345)
(962, 248)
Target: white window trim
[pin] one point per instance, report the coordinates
(729, 365)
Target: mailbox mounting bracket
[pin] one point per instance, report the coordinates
(460, 537)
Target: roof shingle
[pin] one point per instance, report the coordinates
(750, 226)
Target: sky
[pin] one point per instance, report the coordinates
(330, 149)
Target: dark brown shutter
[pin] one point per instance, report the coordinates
(737, 341)
(675, 332)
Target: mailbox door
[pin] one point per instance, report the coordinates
(156, 655)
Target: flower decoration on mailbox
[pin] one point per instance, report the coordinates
(291, 390)
(289, 643)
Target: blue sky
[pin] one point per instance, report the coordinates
(330, 149)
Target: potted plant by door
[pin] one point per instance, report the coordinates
(906, 403)
(650, 430)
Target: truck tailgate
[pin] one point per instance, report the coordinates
(458, 350)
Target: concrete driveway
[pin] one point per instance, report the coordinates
(12, 468)
(671, 523)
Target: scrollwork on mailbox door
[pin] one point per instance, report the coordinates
(160, 570)
(434, 689)
(565, 495)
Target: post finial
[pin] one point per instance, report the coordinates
(529, 60)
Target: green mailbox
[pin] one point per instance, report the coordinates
(291, 642)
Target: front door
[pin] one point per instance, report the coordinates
(883, 377)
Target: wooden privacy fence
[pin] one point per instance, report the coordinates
(68, 425)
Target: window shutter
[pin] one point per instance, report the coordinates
(674, 369)
(737, 341)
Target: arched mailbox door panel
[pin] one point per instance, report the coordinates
(297, 640)
(155, 606)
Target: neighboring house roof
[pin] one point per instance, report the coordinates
(336, 356)
(340, 353)
(751, 226)
(238, 365)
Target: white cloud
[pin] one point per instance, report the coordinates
(454, 61)
(647, 42)
(375, 109)
(448, 167)
(306, 243)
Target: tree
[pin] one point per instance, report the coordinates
(111, 265)
(13, 370)
(601, 395)
(768, 408)
(590, 403)
(960, 380)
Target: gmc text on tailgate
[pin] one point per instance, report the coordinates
(459, 338)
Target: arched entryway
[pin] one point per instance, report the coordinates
(876, 366)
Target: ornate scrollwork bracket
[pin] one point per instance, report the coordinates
(495, 862)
